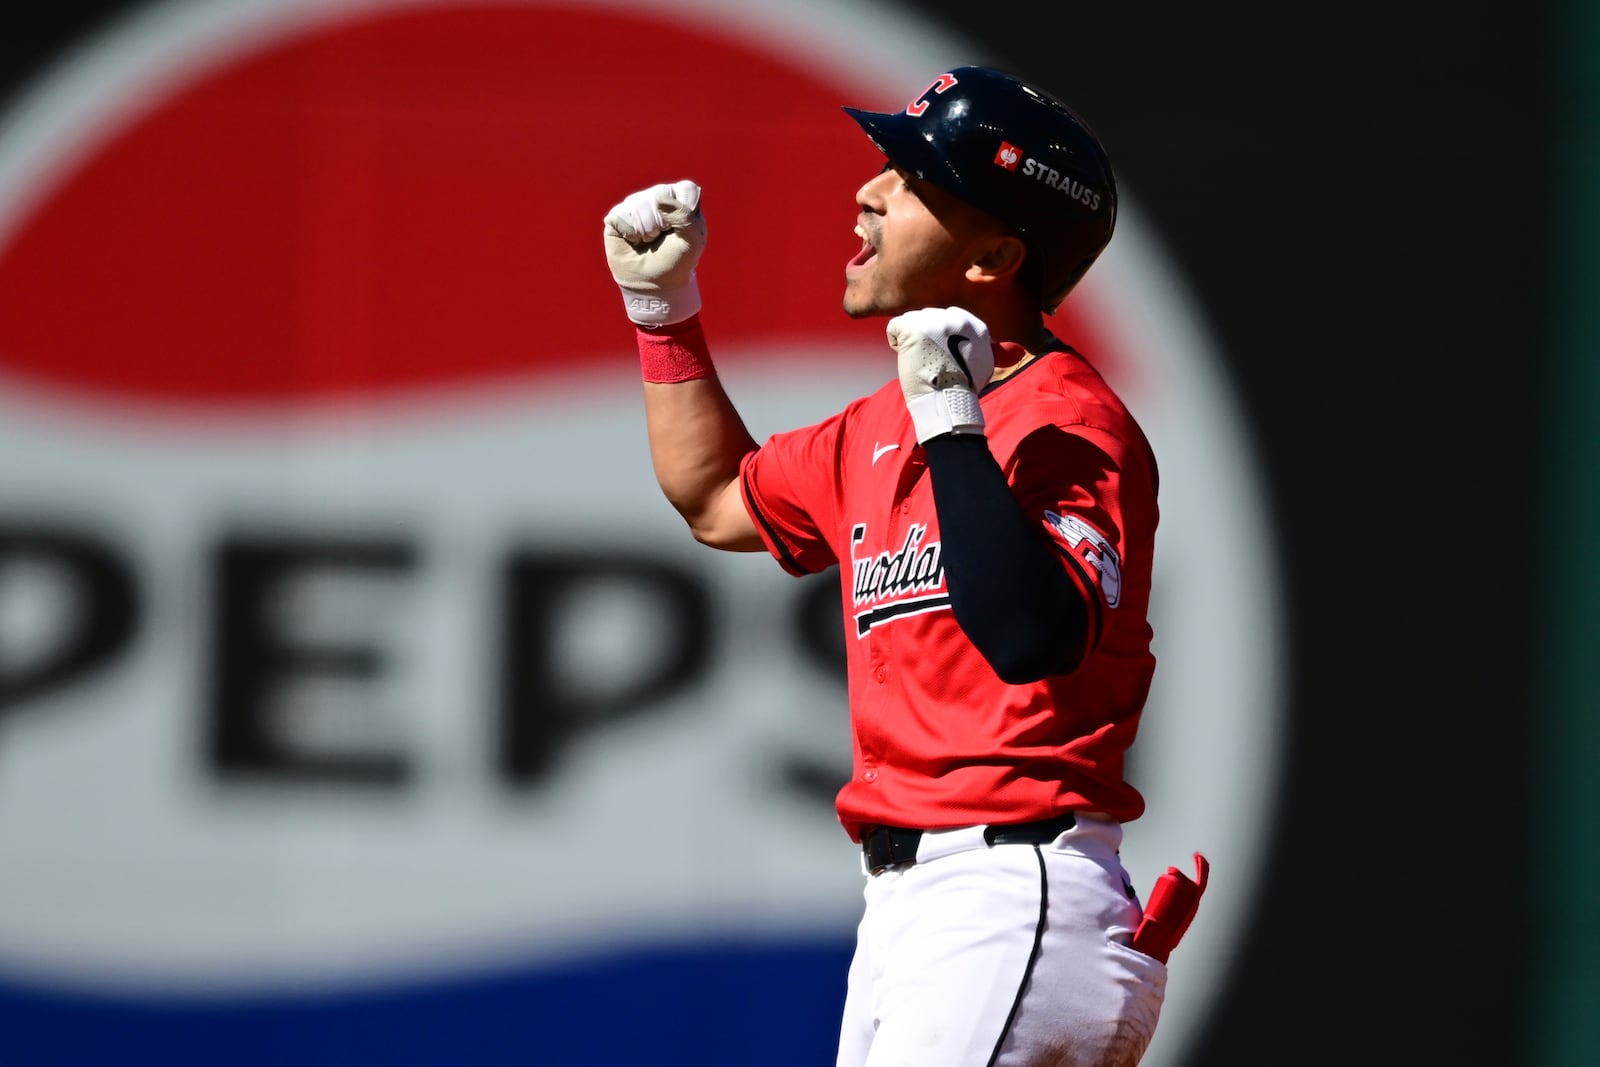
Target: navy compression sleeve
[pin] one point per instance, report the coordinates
(1008, 590)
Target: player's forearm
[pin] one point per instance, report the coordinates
(1007, 589)
(696, 442)
(1008, 593)
(653, 240)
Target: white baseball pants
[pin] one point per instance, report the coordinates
(1014, 955)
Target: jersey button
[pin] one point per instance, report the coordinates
(870, 776)
(880, 673)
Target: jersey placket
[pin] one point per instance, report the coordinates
(881, 645)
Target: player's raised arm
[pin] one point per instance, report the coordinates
(654, 239)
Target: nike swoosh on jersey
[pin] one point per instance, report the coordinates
(878, 451)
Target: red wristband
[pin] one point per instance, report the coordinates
(675, 353)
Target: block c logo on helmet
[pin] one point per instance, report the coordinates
(920, 104)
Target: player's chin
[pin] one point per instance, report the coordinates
(860, 302)
(854, 305)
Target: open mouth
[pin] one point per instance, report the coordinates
(866, 255)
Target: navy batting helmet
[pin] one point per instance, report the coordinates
(1015, 152)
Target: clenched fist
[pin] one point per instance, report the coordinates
(654, 239)
(946, 359)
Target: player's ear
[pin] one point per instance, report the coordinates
(998, 257)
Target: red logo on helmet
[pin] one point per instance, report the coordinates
(920, 104)
(1008, 156)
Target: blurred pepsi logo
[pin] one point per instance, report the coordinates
(359, 694)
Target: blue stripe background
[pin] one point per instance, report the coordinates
(737, 1003)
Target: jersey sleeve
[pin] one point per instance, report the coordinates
(1094, 497)
(790, 487)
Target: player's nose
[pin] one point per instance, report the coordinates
(870, 197)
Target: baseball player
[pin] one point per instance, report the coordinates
(992, 513)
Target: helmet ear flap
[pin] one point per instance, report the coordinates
(1032, 278)
(1065, 283)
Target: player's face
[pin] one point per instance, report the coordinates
(917, 243)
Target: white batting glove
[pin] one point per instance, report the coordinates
(945, 361)
(654, 238)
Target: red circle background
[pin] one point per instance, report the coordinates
(414, 197)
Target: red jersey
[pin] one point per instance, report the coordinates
(938, 739)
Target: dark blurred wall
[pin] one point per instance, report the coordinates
(1357, 196)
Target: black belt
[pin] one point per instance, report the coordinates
(891, 846)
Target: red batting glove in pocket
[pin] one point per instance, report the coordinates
(1171, 909)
